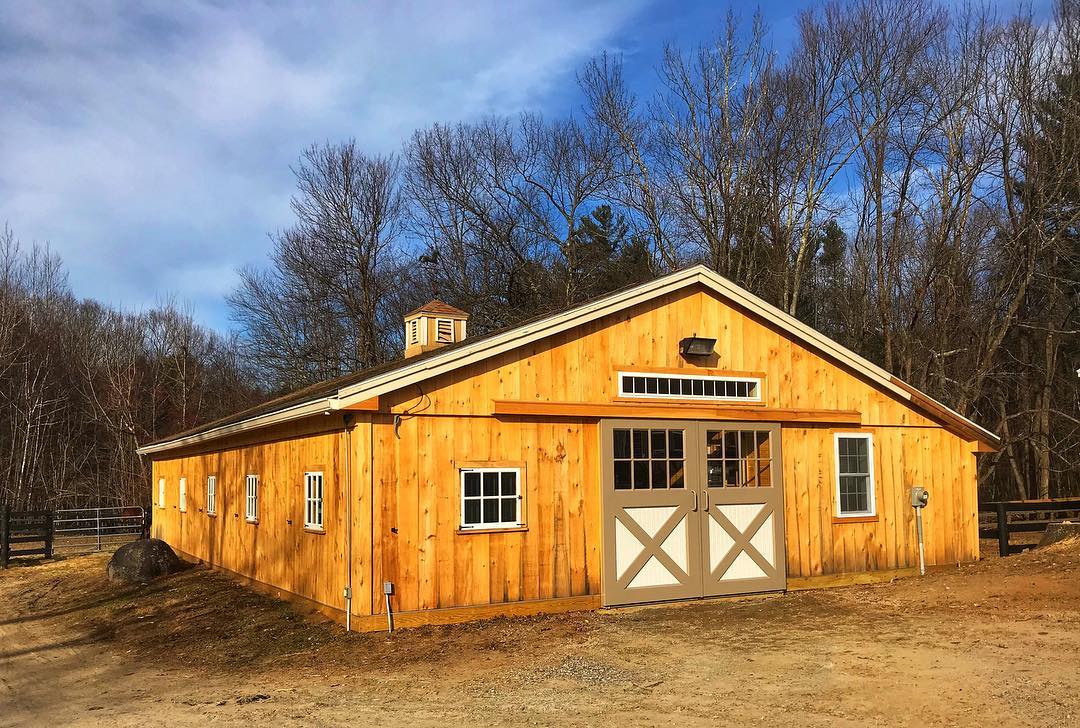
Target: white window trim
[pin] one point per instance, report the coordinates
(758, 388)
(211, 495)
(182, 499)
(251, 498)
(872, 500)
(308, 500)
(161, 492)
(444, 320)
(501, 525)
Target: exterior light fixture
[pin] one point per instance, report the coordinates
(696, 346)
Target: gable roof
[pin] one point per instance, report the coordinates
(350, 390)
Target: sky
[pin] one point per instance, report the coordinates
(150, 144)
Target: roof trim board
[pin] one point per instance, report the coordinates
(410, 372)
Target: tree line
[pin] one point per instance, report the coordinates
(82, 385)
(905, 178)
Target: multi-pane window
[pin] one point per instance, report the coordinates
(252, 498)
(161, 492)
(648, 458)
(313, 500)
(689, 386)
(491, 498)
(211, 495)
(444, 331)
(738, 458)
(855, 475)
(183, 494)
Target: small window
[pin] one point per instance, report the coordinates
(313, 500)
(648, 459)
(444, 331)
(183, 494)
(491, 498)
(689, 386)
(161, 492)
(855, 475)
(252, 499)
(211, 495)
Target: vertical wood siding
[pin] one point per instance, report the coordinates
(276, 551)
(406, 509)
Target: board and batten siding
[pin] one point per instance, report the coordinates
(277, 551)
(578, 366)
(406, 484)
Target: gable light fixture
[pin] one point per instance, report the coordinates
(696, 346)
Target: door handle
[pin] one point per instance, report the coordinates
(706, 501)
(694, 508)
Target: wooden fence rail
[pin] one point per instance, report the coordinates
(1035, 516)
(18, 529)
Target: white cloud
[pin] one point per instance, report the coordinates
(150, 143)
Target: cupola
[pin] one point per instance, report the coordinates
(433, 325)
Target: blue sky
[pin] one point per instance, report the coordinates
(149, 144)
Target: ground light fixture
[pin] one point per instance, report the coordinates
(696, 346)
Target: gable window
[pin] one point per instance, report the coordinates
(161, 492)
(689, 386)
(183, 494)
(444, 331)
(491, 498)
(855, 475)
(211, 495)
(313, 500)
(252, 499)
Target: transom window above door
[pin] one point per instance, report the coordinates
(738, 458)
(649, 458)
(689, 386)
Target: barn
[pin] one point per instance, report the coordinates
(674, 440)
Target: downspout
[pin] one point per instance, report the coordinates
(348, 421)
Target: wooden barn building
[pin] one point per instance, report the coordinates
(674, 440)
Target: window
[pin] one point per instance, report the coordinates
(313, 500)
(690, 386)
(855, 475)
(444, 331)
(738, 458)
(161, 492)
(645, 459)
(252, 513)
(491, 498)
(211, 495)
(183, 494)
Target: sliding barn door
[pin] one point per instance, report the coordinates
(742, 509)
(651, 494)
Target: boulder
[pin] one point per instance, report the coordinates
(141, 561)
(1060, 532)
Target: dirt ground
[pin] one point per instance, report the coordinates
(981, 644)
